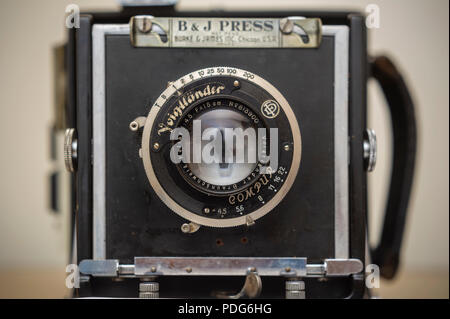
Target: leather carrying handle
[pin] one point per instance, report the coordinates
(387, 254)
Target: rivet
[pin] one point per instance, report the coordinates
(185, 228)
(134, 126)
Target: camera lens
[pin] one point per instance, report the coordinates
(210, 147)
(224, 172)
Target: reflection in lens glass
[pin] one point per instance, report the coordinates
(223, 173)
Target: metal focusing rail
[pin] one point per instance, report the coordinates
(220, 266)
(148, 269)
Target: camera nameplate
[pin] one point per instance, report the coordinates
(186, 32)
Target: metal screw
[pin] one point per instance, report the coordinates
(189, 270)
(236, 83)
(287, 147)
(185, 228)
(134, 126)
(153, 269)
(287, 269)
(144, 24)
(206, 210)
(156, 146)
(286, 26)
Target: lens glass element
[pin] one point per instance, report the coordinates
(226, 172)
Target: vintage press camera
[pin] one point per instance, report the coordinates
(145, 226)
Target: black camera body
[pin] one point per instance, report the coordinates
(151, 228)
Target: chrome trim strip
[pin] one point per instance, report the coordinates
(220, 266)
(99, 134)
(341, 150)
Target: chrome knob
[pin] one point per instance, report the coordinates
(70, 149)
(149, 290)
(148, 286)
(295, 289)
(370, 150)
(294, 285)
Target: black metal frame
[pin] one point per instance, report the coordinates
(79, 115)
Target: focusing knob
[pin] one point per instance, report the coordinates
(370, 150)
(295, 289)
(148, 286)
(149, 290)
(294, 285)
(70, 150)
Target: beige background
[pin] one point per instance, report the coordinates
(33, 245)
